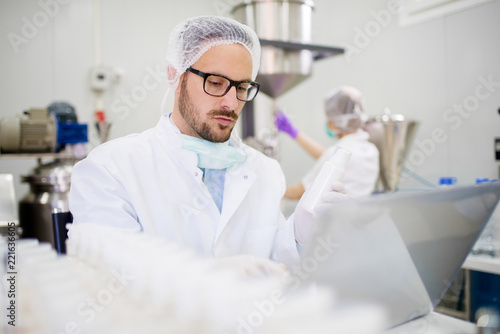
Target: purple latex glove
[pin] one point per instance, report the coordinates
(284, 124)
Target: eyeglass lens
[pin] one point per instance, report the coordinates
(219, 86)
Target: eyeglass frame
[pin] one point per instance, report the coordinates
(231, 83)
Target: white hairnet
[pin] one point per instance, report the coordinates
(345, 107)
(192, 38)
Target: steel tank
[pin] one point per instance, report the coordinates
(49, 189)
(280, 20)
(393, 135)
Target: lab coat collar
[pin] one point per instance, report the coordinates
(168, 138)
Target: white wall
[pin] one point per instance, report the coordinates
(420, 71)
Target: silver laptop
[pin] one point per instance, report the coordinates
(400, 250)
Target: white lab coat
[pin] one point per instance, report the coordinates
(362, 170)
(147, 182)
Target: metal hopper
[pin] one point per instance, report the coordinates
(284, 30)
(393, 135)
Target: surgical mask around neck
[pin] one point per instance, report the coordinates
(213, 155)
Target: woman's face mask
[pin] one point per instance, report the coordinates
(329, 132)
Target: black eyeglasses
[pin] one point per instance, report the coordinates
(217, 85)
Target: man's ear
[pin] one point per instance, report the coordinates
(178, 88)
(172, 77)
(171, 73)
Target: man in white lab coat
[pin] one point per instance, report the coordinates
(190, 179)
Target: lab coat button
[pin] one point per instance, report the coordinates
(245, 177)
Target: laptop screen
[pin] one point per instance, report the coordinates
(401, 250)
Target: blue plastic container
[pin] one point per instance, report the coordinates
(484, 292)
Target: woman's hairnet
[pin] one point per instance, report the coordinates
(345, 107)
(192, 38)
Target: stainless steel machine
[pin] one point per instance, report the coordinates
(284, 30)
(393, 135)
(285, 21)
(49, 189)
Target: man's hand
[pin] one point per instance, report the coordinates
(304, 220)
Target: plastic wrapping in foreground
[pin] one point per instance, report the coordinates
(332, 170)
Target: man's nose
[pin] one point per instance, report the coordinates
(229, 100)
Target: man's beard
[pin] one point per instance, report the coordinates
(193, 118)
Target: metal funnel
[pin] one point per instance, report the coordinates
(393, 135)
(276, 84)
(286, 21)
(280, 72)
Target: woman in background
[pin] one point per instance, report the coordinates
(344, 110)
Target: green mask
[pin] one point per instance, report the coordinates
(329, 132)
(213, 155)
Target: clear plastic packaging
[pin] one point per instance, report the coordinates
(332, 170)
